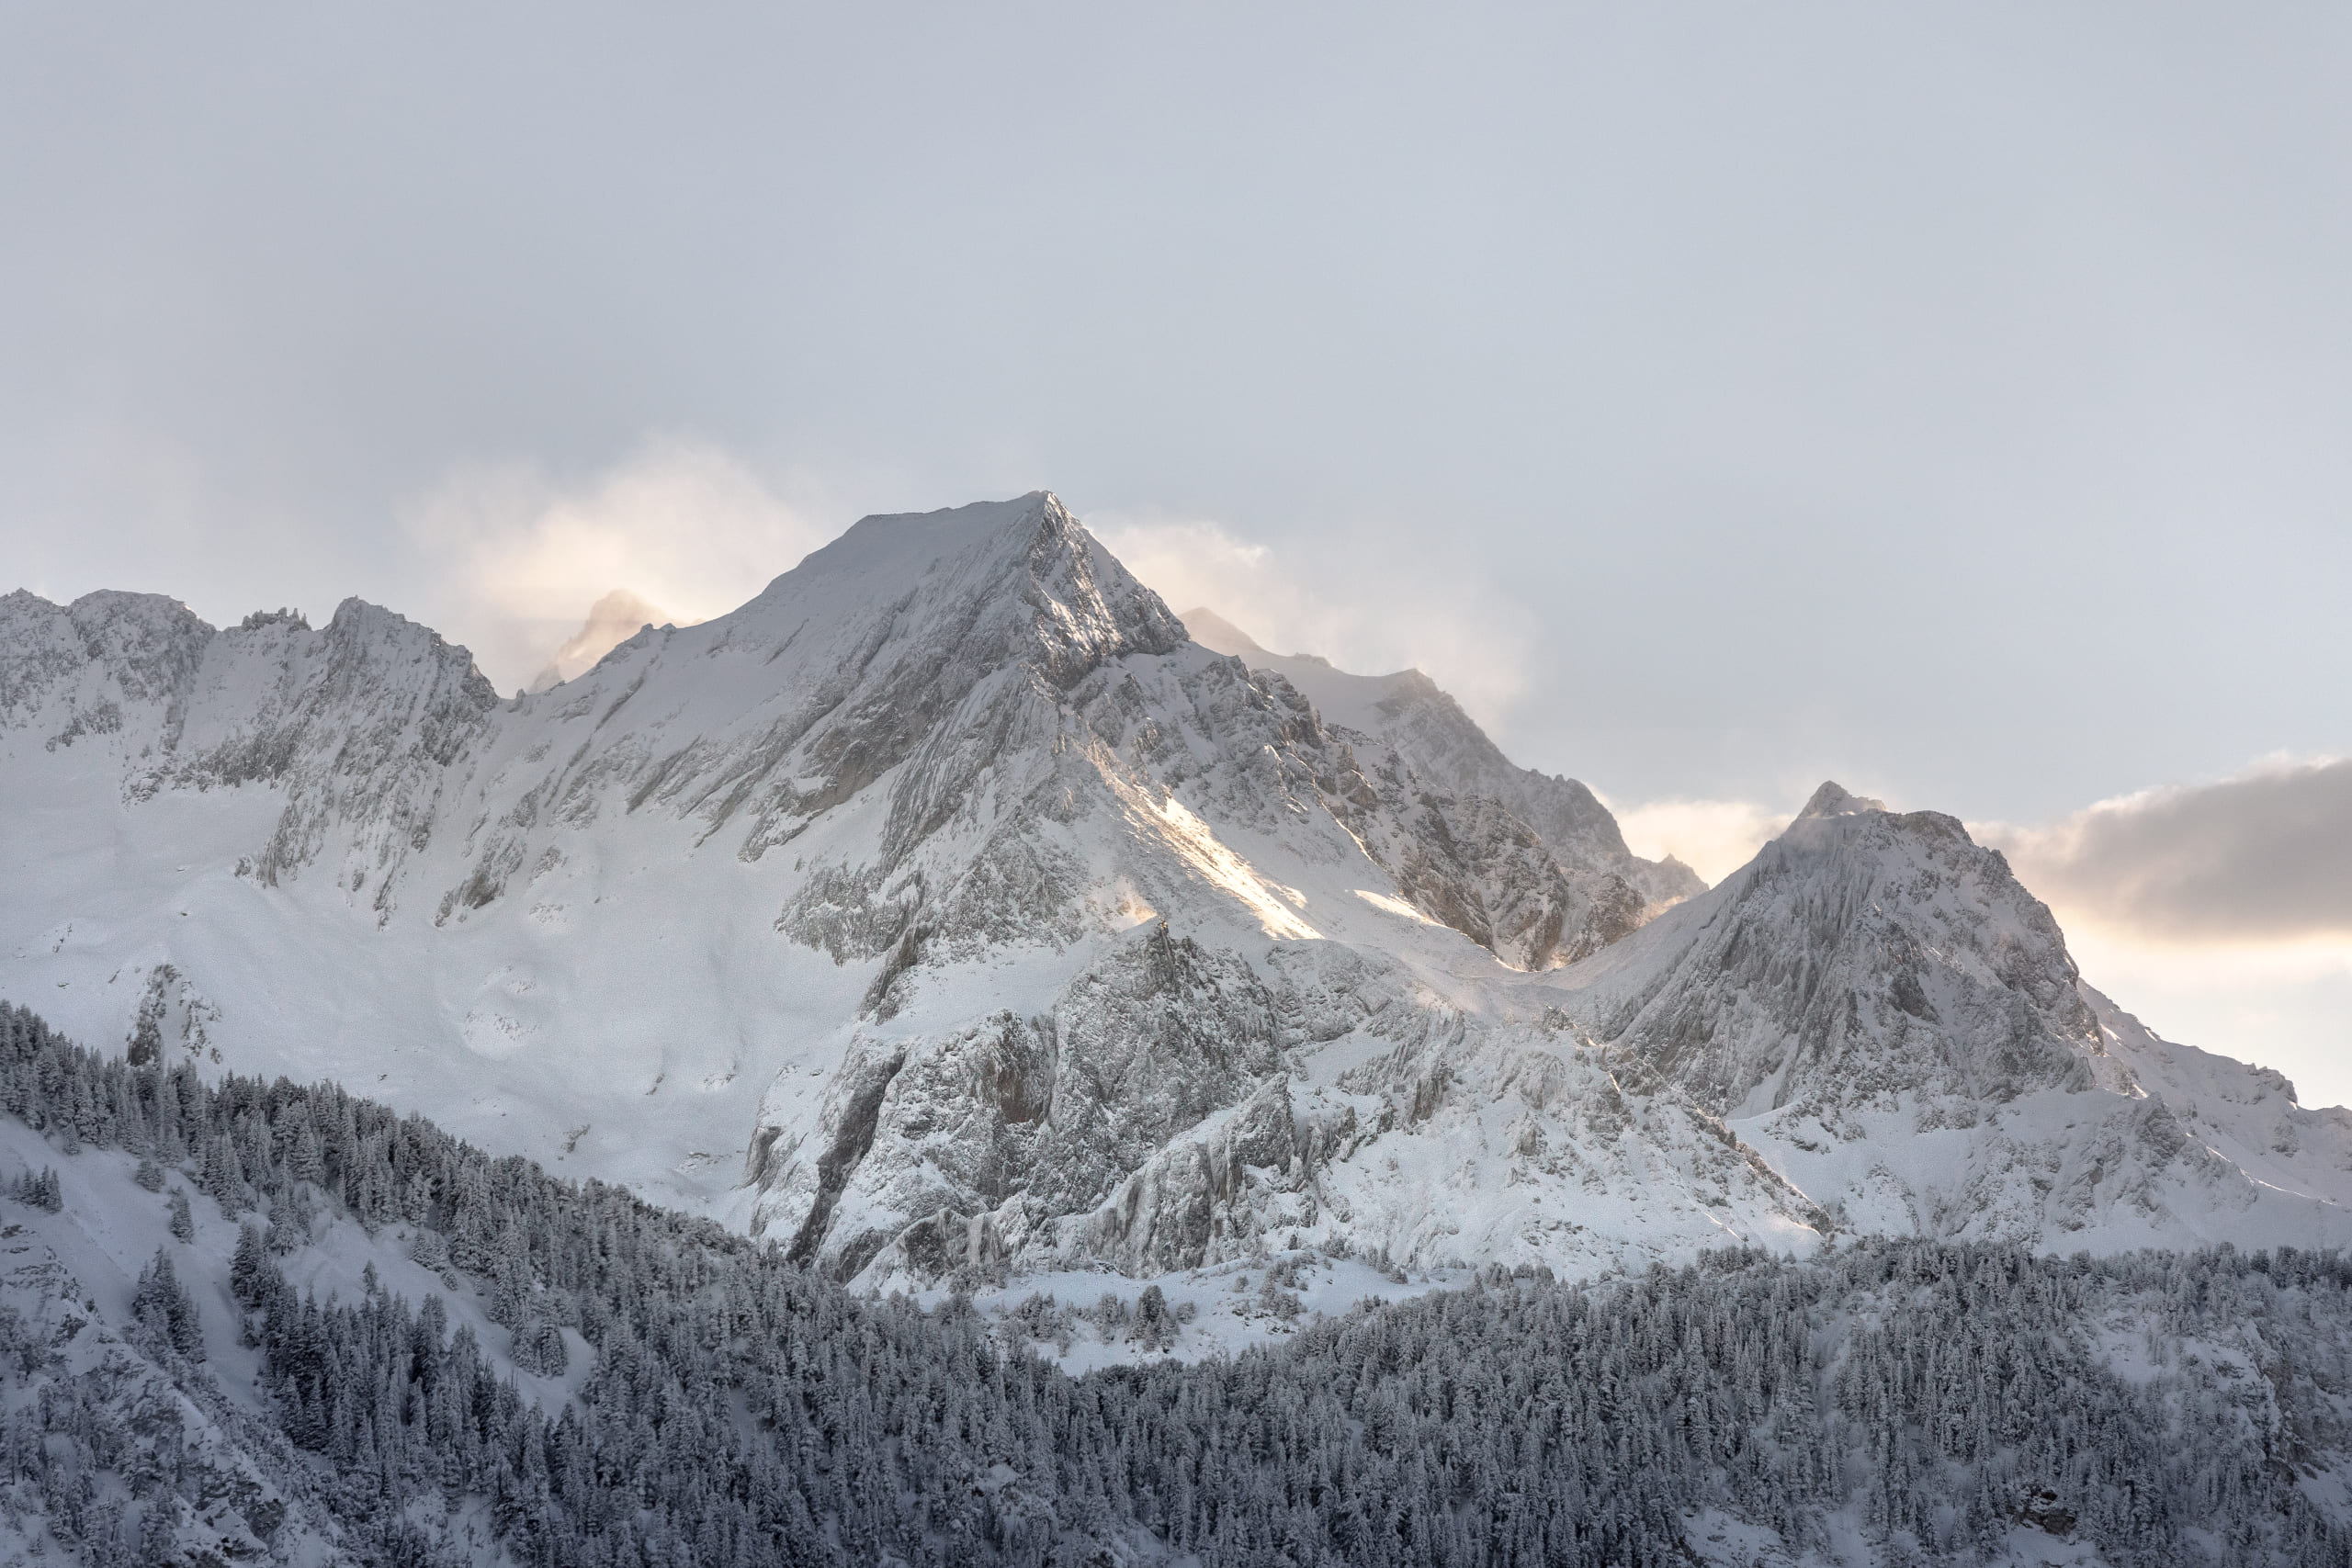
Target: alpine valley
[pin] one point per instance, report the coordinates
(955, 919)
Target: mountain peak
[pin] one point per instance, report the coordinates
(1024, 575)
(1833, 799)
(1218, 635)
(887, 544)
(1852, 966)
(611, 620)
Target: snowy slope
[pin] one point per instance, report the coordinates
(947, 912)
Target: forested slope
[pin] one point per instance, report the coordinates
(530, 1371)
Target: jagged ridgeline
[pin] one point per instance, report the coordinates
(954, 912)
(744, 913)
(698, 1398)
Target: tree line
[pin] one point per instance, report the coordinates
(734, 1409)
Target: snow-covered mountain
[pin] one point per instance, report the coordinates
(951, 906)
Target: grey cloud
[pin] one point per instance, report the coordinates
(1691, 347)
(2263, 856)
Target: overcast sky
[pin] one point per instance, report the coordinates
(1950, 400)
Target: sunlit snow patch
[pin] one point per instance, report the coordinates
(1208, 857)
(1394, 906)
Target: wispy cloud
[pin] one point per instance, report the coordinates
(1372, 612)
(680, 523)
(611, 621)
(1713, 838)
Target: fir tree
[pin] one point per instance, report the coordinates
(162, 1306)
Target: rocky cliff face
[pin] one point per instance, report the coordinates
(947, 907)
(968, 1148)
(1862, 956)
(1408, 716)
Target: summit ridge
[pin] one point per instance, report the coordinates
(953, 910)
